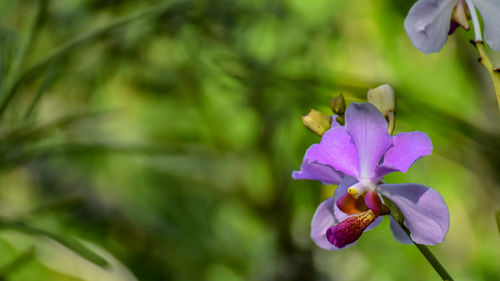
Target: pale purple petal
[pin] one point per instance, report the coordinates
(398, 233)
(368, 129)
(336, 150)
(425, 212)
(406, 148)
(322, 220)
(341, 190)
(311, 170)
(428, 23)
(334, 123)
(490, 12)
(316, 171)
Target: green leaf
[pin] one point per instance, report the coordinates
(9, 90)
(68, 241)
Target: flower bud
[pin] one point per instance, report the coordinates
(384, 98)
(337, 105)
(317, 122)
(460, 15)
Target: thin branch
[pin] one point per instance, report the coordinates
(426, 252)
(485, 60)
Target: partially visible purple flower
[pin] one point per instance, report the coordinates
(430, 21)
(362, 153)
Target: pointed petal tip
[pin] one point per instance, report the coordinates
(313, 170)
(398, 233)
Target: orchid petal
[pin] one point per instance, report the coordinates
(336, 150)
(428, 23)
(373, 202)
(322, 220)
(425, 212)
(311, 170)
(334, 123)
(368, 129)
(316, 171)
(490, 11)
(406, 148)
(398, 232)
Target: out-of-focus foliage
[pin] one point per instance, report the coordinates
(169, 140)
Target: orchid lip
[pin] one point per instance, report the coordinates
(349, 230)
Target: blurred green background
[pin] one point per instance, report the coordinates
(164, 133)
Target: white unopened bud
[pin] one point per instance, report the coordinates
(384, 98)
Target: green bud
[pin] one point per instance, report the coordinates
(317, 122)
(337, 105)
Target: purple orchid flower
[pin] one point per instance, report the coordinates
(430, 21)
(357, 156)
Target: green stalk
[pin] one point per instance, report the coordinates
(426, 252)
(486, 61)
(438, 267)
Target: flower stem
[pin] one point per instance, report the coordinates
(429, 256)
(485, 60)
(438, 267)
(392, 122)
